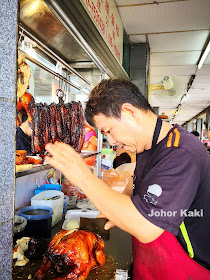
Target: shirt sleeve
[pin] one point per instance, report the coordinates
(168, 189)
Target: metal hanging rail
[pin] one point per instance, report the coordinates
(63, 18)
(50, 53)
(49, 70)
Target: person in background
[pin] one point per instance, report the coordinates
(166, 209)
(90, 143)
(23, 134)
(207, 148)
(121, 159)
(208, 134)
(123, 163)
(196, 134)
(105, 144)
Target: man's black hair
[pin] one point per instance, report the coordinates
(24, 115)
(109, 96)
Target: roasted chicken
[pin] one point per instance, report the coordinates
(73, 255)
(20, 157)
(26, 102)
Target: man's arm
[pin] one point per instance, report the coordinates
(117, 207)
(128, 191)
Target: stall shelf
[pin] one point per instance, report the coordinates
(43, 167)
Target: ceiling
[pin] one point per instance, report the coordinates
(177, 32)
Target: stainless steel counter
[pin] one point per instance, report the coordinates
(35, 169)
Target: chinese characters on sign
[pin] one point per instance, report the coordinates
(106, 17)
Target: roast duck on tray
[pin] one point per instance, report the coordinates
(21, 158)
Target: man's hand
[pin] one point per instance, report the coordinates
(108, 224)
(69, 162)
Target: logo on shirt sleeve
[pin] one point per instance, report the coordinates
(153, 192)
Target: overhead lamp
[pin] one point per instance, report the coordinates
(176, 113)
(85, 91)
(33, 8)
(30, 49)
(183, 98)
(204, 56)
(189, 85)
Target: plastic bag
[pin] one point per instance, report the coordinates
(72, 191)
(115, 181)
(90, 144)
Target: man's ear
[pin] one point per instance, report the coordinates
(128, 109)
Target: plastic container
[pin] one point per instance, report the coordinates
(47, 187)
(39, 220)
(72, 201)
(85, 204)
(19, 224)
(65, 204)
(19, 227)
(105, 151)
(42, 199)
(77, 213)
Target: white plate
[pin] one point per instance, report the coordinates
(35, 157)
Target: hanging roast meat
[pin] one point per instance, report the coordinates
(54, 122)
(23, 75)
(26, 101)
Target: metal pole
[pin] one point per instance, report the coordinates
(49, 52)
(99, 147)
(49, 70)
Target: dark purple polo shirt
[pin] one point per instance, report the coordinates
(172, 185)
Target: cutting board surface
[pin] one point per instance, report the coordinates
(107, 272)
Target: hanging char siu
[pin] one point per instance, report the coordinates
(55, 122)
(73, 255)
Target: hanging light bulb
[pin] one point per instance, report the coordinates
(30, 50)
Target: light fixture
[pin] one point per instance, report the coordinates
(33, 8)
(183, 98)
(30, 49)
(204, 56)
(85, 91)
(189, 85)
(176, 113)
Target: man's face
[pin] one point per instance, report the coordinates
(119, 131)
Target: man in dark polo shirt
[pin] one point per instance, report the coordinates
(173, 185)
(167, 210)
